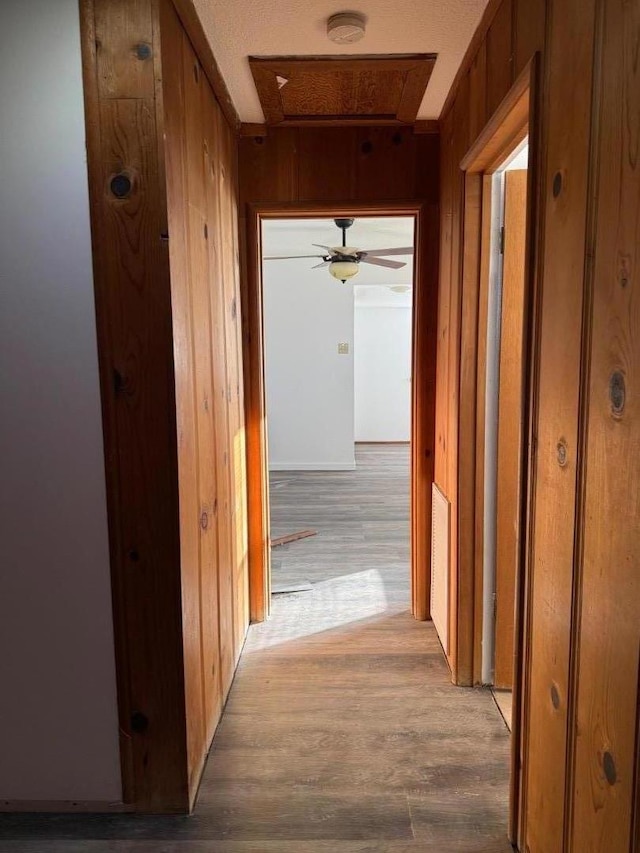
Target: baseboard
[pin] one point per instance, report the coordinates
(312, 466)
(364, 441)
(64, 806)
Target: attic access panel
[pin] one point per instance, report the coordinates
(341, 89)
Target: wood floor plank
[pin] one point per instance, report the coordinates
(342, 732)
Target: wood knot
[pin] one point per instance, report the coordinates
(561, 452)
(139, 722)
(609, 767)
(120, 185)
(617, 392)
(143, 51)
(557, 184)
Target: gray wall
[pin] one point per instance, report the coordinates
(58, 721)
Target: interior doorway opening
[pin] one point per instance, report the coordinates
(505, 371)
(500, 295)
(337, 298)
(423, 339)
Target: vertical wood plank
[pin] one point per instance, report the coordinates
(269, 166)
(125, 47)
(528, 28)
(376, 149)
(460, 663)
(423, 407)
(499, 57)
(202, 187)
(326, 157)
(441, 467)
(187, 357)
(478, 92)
(609, 630)
(511, 407)
(133, 308)
(259, 549)
(213, 131)
(567, 110)
(467, 420)
(481, 382)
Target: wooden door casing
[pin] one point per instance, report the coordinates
(511, 427)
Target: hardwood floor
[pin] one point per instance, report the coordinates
(342, 732)
(362, 519)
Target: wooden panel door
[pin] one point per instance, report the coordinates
(510, 423)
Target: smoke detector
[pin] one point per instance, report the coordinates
(346, 27)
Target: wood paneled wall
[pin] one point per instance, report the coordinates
(201, 170)
(163, 169)
(298, 167)
(582, 631)
(509, 35)
(342, 164)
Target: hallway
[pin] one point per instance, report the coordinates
(342, 731)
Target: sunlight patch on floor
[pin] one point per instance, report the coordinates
(329, 604)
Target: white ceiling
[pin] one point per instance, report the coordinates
(371, 285)
(237, 29)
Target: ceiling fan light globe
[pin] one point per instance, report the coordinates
(343, 270)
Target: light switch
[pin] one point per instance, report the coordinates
(343, 349)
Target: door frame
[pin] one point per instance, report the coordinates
(425, 296)
(517, 117)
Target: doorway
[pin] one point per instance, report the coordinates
(505, 370)
(499, 297)
(337, 354)
(423, 220)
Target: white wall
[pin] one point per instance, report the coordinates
(58, 722)
(309, 385)
(382, 352)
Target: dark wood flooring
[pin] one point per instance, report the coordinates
(342, 733)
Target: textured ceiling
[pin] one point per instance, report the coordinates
(297, 236)
(237, 29)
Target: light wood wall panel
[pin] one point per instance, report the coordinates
(165, 241)
(556, 419)
(201, 193)
(580, 721)
(510, 419)
(484, 80)
(317, 166)
(609, 621)
(133, 311)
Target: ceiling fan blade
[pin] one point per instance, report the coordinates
(405, 250)
(320, 246)
(383, 262)
(289, 257)
(323, 264)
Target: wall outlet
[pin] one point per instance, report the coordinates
(343, 349)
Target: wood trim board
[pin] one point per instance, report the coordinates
(512, 122)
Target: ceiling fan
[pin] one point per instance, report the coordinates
(344, 261)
